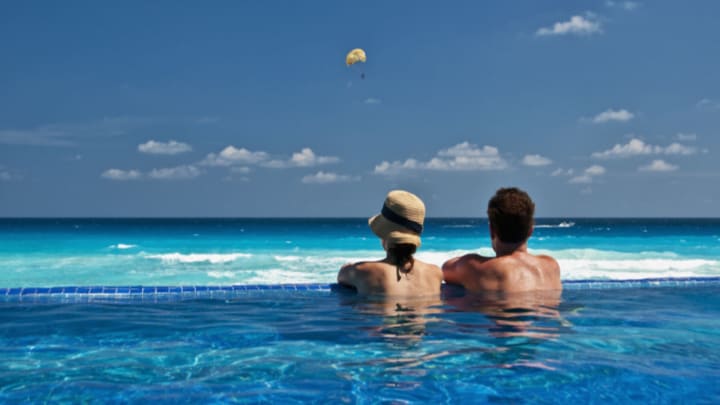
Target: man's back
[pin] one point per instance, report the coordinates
(510, 216)
(516, 272)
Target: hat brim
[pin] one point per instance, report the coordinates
(391, 232)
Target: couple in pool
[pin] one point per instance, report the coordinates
(399, 226)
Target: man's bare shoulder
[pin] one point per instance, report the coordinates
(519, 260)
(549, 260)
(468, 270)
(549, 265)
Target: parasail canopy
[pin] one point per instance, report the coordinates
(355, 56)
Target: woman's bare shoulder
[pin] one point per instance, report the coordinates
(429, 268)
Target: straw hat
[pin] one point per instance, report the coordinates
(401, 219)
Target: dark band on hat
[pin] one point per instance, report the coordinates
(391, 216)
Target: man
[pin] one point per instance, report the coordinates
(510, 213)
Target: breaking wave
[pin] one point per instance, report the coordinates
(315, 265)
(212, 258)
(122, 246)
(560, 225)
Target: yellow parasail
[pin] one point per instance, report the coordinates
(355, 56)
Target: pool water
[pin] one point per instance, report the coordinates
(649, 345)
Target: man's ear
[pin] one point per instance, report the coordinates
(532, 228)
(492, 231)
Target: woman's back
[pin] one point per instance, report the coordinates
(384, 278)
(399, 226)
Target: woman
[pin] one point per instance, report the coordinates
(399, 226)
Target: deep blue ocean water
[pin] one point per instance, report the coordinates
(647, 345)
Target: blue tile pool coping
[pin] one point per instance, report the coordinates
(224, 290)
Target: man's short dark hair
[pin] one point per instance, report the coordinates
(511, 212)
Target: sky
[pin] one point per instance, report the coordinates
(247, 109)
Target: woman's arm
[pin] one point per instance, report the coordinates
(347, 275)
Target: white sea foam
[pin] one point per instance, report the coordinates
(560, 225)
(575, 264)
(321, 266)
(221, 274)
(283, 276)
(637, 269)
(122, 246)
(287, 258)
(213, 258)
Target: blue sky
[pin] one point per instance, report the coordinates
(597, 108)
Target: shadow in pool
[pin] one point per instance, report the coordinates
(494, 330)
(515, 323)
(397, 320)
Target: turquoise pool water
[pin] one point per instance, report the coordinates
(649, 345)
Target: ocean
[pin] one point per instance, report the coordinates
(229, 251)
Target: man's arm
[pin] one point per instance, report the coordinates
(453, 271)
(468, 271)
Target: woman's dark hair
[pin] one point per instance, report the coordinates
(400, 255)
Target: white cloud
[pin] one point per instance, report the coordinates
(40, 136)
(231, 156)
(327, 178)
(632, 148)
(536, 160)
(67, 134)
(595, 170)
(461, 157)
(240, 169)
(371, 100)
(306, 157)
(613, 115)
(7, 175)
(625, 5)
(576, 25)
(708, 104)
(164, 148)
(678, 149)
(582, 179)
(636, 147)
(588, 175)
(185, 172)
(234, 156)
(117, 174)
(658, 166)
(561, 172)
(686, 137)
(389, 168)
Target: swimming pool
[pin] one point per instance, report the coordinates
(282, 345)
(221, 310)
